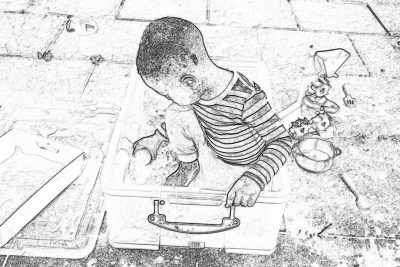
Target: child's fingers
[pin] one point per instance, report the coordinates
(230, 198)
(238, 199)
(251, 202)
(244, 201)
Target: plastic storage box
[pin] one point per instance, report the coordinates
(33, 171)
(143, 216)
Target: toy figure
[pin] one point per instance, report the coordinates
(301, 128)
(315, 98)
(320, 125)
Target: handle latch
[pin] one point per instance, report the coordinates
(160, 220)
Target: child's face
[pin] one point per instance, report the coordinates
(183, 89)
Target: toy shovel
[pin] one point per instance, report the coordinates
(348, 100)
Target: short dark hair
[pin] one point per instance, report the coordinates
(168, 41)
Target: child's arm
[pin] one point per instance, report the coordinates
(184, 174)
(257, 113)
(152, 142)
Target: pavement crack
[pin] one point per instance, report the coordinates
(323, 230)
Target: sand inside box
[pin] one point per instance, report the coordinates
(154, 173)
(21, 175)
(146, 115)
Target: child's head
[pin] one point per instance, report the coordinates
(321, 86)
(171, 59)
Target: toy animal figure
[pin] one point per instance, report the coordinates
(301, 128)
(315, 98)
(321, 122)
(320, 125)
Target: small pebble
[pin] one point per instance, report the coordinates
(91, 263)
(158, 260)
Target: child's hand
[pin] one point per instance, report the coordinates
(149, 143)
(243, 193)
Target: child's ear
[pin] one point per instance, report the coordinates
(188, 80)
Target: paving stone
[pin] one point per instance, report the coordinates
(389, 16)
(25, 34)
(224, 42)
(386, 100)
(13, 5)
(89, 8)
(375, 112)
(34, 90)
(109, 82)
(376, 115)
(271, 13)
(55, 78)
(370, 129)
(292, 51)
(41, 91)
(335, 17)
(115, 41)
(289, 57)
(378, 53)
(193, 10)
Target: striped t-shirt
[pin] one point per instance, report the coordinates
(242, 129)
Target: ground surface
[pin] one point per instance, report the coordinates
(323, 226)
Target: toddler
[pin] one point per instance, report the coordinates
(220, 124)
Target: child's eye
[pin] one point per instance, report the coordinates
(188, 80)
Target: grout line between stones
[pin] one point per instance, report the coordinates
(56, 36)
(378, 19)
(208, 10)
(359, 55)
(121, 5)
(212, 24)
(294, 15)
(83, 59)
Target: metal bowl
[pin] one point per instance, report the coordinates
(315, 155)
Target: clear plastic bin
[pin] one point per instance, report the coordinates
(148, 215)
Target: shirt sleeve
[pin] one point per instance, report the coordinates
(259, 116)
(180, 141)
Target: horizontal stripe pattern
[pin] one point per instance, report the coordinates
(243, 130)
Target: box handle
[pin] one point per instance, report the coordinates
(160, 220)
(188, 199)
